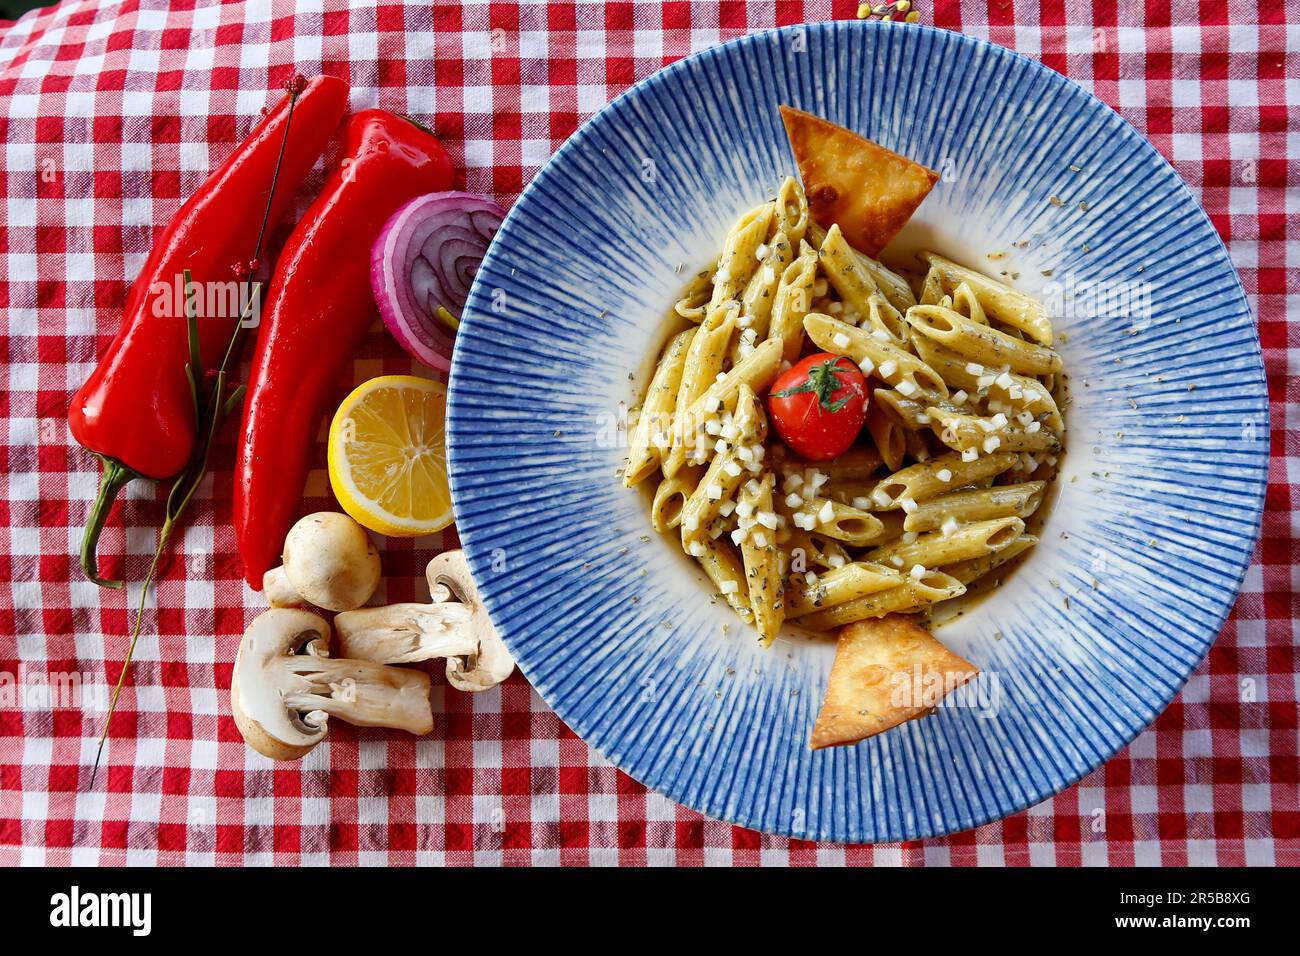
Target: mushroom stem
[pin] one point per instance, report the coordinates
(279, 592)
(405, 633)
(454, 625)
(360, 692)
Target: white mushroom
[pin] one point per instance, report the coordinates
(454, 625)
(328, 561)
(285, 685)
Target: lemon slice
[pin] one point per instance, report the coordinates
(387, 458)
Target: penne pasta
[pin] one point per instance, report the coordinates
(670, 498)
(759, 556)
(844, 270)
(1001, 388)
(751, 420)
(791, 302)
(859, 464)
(704, 357)
(934, 549)
(998, 301)
(694, 303)
(652, 435)
(965, 302)
(932, 587)
(963, 431)
(726, 572)
(982, 343)
(726, 472)
(938, 476)
(810, 551)
(756, 370)
(834, 519)
(932, 290)
(891, 527)
(978, 504)
(792, 210)
(876, 353)
(968, 572)
(1037, 467)
(918, 445)
(888, 436)
(737, 264)
(714, 491)
(907, 412)
(755, 306)
(883, 317)
(856, 493)
(837, 586)
(891, 285)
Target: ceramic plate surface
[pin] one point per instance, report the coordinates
(1160, 496)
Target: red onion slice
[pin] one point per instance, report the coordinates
(422, 267)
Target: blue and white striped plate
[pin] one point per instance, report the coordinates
(1160, 497)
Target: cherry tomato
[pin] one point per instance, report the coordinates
(819, 405)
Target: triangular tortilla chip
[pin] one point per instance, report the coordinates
(886, 671)
(869, 190)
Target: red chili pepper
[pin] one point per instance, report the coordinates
(136, 411)
(317, 311)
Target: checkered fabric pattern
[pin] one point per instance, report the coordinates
(112, 112)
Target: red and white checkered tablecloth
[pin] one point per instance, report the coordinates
(111, 112)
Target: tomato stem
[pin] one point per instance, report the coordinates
(824, 381)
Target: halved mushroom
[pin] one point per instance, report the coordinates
(285, 686)
(454, 625)
(329, 561)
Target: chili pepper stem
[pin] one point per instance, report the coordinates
(164, 535)
(178, 499)
(416, 123)
(112, 480)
